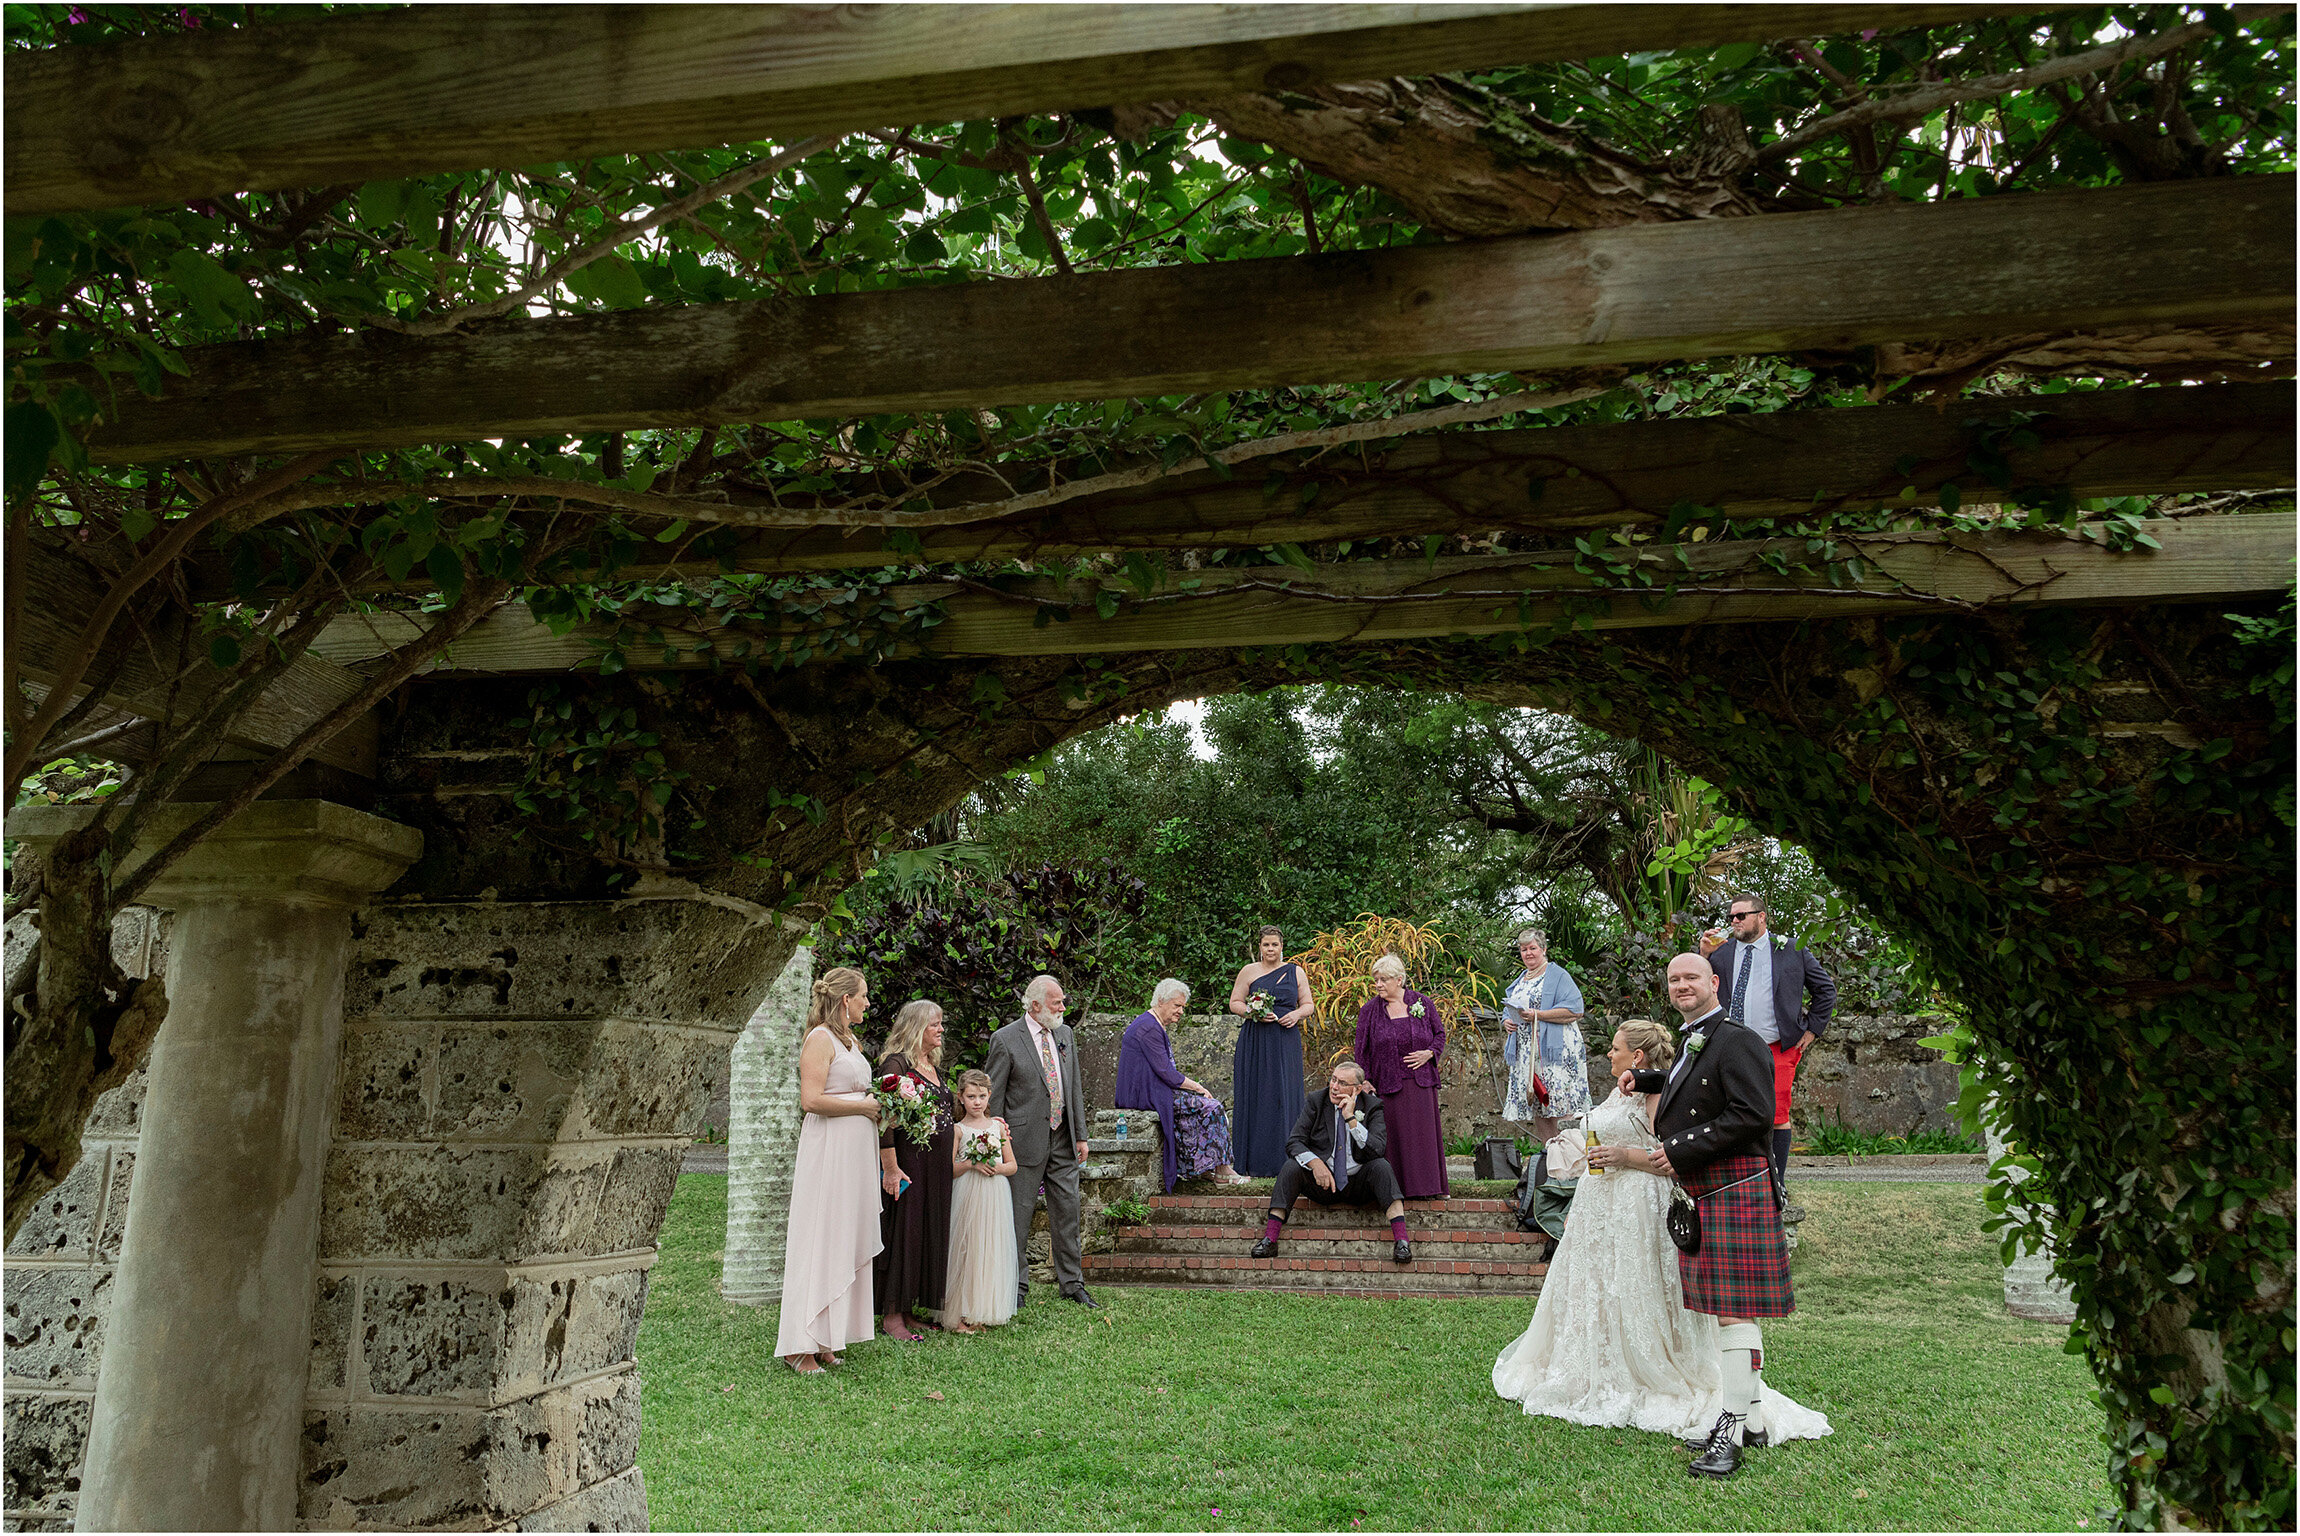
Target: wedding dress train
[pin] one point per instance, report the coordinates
(1611, 1343)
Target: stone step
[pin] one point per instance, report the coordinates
(1329, 1276)
(1364, 1243)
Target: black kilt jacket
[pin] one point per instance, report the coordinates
(1720, 1105)
(1716, 1123)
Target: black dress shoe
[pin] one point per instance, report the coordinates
(1720, 1455)
(1078, 1294)
(1021, 1295)
(1402, 1252)
(1267, 1248)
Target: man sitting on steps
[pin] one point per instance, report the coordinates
(1336, 1159)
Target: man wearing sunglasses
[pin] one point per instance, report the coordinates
(1764, 982)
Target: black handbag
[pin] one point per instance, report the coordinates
(1497, 1159)
(1684, 1220)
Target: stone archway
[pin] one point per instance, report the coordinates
(532, 1028)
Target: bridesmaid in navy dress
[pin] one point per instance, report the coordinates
(1266, 1072)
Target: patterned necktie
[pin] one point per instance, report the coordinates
(1741, 983)
(1341, 1148)
(1053, 1077)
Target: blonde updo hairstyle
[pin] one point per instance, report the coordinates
(909, 1034)
(1645, 1035)
(832, 988)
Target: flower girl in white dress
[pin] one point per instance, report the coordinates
(1611, 1342)
(983, 1273)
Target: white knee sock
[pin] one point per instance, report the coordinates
(1741, 1352)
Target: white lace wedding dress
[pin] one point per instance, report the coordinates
(1611, 1343)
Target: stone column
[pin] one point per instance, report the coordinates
(763, 1136)
(520, 1080)
(198, 1415)
(2032, 1290)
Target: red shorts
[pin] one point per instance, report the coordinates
(1784, 1073)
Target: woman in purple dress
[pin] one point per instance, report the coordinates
(1196, 1134)
(1400, 1038)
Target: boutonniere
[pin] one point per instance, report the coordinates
(1416, 1010)
(1693, 1043)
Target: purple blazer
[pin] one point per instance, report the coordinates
(1148, 1079)
(1383, 1043)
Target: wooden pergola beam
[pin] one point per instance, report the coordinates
(2216, 559)
(165, 673)
(439, 88)
(2204, 252)
(2119, 442)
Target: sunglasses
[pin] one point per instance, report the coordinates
(1737, 916)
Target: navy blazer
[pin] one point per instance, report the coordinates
(1795, 973)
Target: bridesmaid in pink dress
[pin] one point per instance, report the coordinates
(834, 1226)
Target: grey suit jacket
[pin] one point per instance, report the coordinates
(1018, 1090)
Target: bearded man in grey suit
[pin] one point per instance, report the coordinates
(1034, 1089)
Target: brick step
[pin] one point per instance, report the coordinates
(1511, 1246)
(1421, 1216)
(1425, 1276)
(1261, 1201)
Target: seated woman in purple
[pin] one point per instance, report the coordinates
(1400, 1038)
(1197, 1132)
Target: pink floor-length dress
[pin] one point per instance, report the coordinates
(834, 1229)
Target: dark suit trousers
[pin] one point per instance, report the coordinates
(1059, 1173)
(1371, 1183)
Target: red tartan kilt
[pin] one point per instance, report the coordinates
(1742, 1269)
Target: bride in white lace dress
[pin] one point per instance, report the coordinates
(1611, 1343)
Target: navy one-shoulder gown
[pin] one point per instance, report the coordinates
(1266, 1080)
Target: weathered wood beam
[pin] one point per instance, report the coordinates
(2125, 442)
(2203, 251)
(166, 673)
(2218, 558)
(437, 88)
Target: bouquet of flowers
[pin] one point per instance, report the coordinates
(986, 1149)
(1260, 1009)
(902, 1108)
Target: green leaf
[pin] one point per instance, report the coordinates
(382, 202)
(216, 297)
(446, 568)
(224, 652)
(612, 281)
(32, 432)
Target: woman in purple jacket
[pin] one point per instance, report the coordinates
(1400, 1038)
(1196, 1130)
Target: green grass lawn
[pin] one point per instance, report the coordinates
(1181, 1410)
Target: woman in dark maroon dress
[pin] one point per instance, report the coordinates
(908, 1273)
(1400, 1038)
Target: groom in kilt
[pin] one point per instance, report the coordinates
(1715, 1121)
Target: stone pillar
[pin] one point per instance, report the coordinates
(763, 1136)
(2032, 1290)
(197, 1420)
(520, 1081)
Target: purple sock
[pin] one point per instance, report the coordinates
(1398, 1228)
(1272, 1227)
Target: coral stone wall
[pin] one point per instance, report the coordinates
(1867, 1070)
